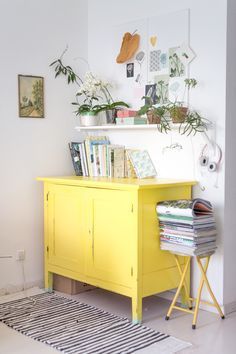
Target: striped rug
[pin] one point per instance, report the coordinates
(76, 328)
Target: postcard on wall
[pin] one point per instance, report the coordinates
(151, 92)
(185, 54)
(176, 89)
(162, 82)
(31, 96)
(130, 70)
(176, 67)
(140, 58)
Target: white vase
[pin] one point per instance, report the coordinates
(88, 119)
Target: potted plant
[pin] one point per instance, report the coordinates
(155, 114)
(178, 111)
(95, 92)
(110, 107)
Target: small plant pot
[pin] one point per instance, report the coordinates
(107, 117)
(178, 114)
(110, 116)
(89, 119)
(153, 118)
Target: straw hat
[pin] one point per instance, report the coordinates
(129, 46)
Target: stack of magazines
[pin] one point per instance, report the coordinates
(187, 226)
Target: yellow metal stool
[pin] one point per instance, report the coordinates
(190, 300)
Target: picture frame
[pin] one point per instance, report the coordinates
(31, 96)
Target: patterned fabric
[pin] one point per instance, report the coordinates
(76, 328)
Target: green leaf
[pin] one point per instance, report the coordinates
(119, 103)
(54, 62)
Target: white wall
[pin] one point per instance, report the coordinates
(208, 39)
(32, 35)
(230, 164)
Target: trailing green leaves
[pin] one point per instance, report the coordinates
(67, 71)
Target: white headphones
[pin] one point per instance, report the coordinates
(211, 158)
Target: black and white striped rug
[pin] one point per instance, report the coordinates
(76, 328)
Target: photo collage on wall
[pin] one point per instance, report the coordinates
(169, 56)
(160, 65)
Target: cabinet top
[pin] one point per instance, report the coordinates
(117, 183)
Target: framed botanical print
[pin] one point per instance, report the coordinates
(31, 96)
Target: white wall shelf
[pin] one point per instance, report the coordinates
(128, 127)
(118, 127)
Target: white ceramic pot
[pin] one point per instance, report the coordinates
(88, 119)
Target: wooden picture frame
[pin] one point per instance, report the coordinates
(31, 96)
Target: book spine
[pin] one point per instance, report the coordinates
(119, 162)
(104, 159)
(76, 161)
(82, 159)
(95, 160)
(88, 155)
(108, 161)
(112, 162)
(84, 156)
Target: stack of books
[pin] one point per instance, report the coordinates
(129, 117)
(187, 227)
(96, 157)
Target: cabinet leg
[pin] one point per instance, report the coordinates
(48, 281)
(137, 309)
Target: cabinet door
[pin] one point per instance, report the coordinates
(66, 227)
(112, 236)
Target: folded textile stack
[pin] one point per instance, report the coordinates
(187, 226)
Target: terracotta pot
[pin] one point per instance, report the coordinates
(178, 114)
(153, 118)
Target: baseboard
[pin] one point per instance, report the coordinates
(168, 295)
(231, 307)
(12, 289)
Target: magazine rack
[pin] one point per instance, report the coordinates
(182, 284)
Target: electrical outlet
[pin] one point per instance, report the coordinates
(20, 255)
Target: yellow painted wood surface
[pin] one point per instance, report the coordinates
(111, 236)
(105, 232)
(66, 229)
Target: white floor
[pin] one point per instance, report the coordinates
(212, 335)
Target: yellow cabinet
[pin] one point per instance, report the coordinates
(105, 232)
